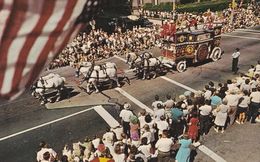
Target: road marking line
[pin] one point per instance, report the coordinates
(165, 78)
(137, 102)
(211, 154)
(203, 148)
(247, 32)
(178, 84)
(111, 121)
(44, 124)
(235, 36)
(120, 58)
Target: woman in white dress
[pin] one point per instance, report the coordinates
(221, 116)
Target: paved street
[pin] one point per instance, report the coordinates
(24, 123)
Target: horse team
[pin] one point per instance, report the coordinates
(145, 65)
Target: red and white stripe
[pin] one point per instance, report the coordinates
(31, 31)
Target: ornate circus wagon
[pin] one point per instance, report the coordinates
(191, 47)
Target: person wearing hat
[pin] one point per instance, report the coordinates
(125, 115)
(235, 58)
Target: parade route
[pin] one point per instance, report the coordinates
(24, 122)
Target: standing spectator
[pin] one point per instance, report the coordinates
(168, 105)
(207, 93)
(145, 148)
(215, 100)
(243, 104)
(246, 86)
(118, 154)
(221, 116)
(158, 112)
(134, 130)
(205, 112)
(141, 118)
(108, 138)
(176, 120)
(235, 57)
(193, 128)
(156, 102)
(125, 115)
(255, 104)
(232, 101)
(163, 145)
(183, 155)
(45, 152)
(162, 124)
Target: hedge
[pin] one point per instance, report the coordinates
(191, 7)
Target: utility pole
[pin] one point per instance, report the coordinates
(233, 4)
(173, 5)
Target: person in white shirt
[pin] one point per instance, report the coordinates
(205, 111)
(45, 153)
(255, 105)
(162, 124)
(108, 138)
(141, 118)
(118, 131)
(147, 134)
(163, 145)
(158, 112)
(232, 101)
(125, 115)
(243, 104)
(96, 141)
(168, 105)
(145, 148)
(156, 102)
(235, 58)
(207, 93)
(245, 86)
(118, 153)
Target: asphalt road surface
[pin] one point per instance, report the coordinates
(24, 123)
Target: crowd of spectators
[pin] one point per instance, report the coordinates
(242, 17)
(99, 45)
(170, 131)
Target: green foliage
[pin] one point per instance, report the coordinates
(203, 6)
(190, 7)
(186, 1)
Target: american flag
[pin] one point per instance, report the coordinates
(32, 32)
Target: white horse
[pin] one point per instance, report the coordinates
(85, 68)
(145, 63)
(102, 73)
(50, 81)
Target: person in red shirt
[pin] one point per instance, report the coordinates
(165, 30)
(193, 127)
(194, 23)
(172, 29)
